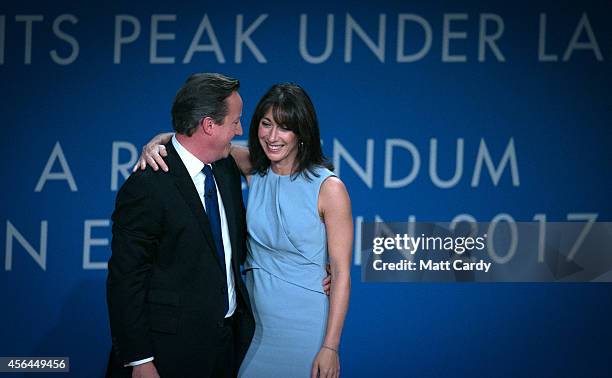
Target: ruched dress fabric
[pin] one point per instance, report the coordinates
(285, 266)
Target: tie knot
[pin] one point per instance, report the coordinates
(207, 170)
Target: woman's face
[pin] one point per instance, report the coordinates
(279, 143)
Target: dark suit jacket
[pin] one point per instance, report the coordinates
(165, 287)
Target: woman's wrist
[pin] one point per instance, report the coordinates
(330, 348)
(163, 138)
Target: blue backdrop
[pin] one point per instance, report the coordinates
(428, 109)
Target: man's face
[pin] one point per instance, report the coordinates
(230, 127)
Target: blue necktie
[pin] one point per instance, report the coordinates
(212, 210)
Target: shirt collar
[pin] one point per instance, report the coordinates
(192, 163)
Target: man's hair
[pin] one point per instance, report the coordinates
(202, 95)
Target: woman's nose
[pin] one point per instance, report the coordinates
(273, 133)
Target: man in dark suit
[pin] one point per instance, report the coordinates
(177, 304)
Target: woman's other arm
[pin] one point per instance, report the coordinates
(335, 208)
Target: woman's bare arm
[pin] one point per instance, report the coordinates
(243, 158)
(153, 153)
(335, 207)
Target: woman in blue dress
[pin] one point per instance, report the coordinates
(298, 218)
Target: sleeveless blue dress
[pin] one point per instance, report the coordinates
(287, 253)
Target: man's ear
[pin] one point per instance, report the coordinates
(206, 124)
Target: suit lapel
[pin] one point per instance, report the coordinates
(185, 186)
(223, 180)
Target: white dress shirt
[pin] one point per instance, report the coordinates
(194, 167)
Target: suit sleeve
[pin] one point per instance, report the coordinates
(136, 233)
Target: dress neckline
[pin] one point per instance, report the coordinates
(271, 171)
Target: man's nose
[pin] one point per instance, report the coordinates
(238, 130)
